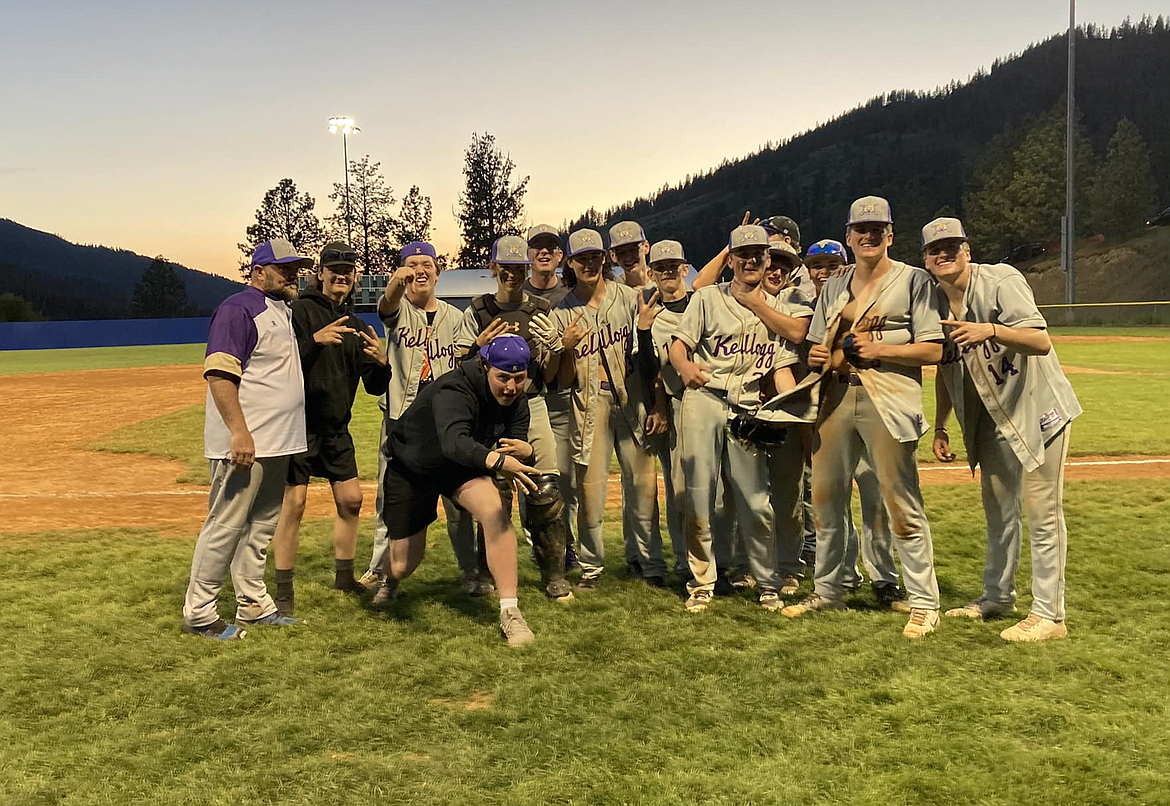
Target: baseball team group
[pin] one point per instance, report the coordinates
(762, 393)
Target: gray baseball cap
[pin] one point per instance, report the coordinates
(747, 235)
(585, 240)
(543, 229)
(625, 232)
(666, 250)
(510, 249)
(786, 249)
(870, 210)
(942, 229)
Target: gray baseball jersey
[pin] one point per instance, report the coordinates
(663, 330)
(1028, 397)
(903, 310)
(411, 343)
(734, 343)
(610, 338)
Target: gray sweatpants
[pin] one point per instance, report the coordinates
(560, 419)
(672, 481)
(642, 539)
(849, 428)
(242, 511)
(460, 525)
(707, 449)
(785, 474)
(1042, 490)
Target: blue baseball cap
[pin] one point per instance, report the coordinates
(279, 252)
(827, 247)
(418, 248)
(508, 353)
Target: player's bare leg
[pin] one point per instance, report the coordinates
(347, 497)
(285, 543)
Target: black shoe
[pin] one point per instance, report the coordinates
(723, 587)
(889, 594)
(656, 581)
(634, 568)
(350, 585)
(588, 583)
(286, 607)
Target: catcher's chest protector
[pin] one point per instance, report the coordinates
(487, 309)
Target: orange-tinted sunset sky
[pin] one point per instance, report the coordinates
(157, 127)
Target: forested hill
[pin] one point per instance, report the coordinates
(63, 280)
(939, 151)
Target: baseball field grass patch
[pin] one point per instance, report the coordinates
(624, 697)
(21, 362)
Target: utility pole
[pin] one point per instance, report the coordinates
(1069, 229)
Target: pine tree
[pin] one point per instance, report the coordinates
(414, 218)
(14, 308)
(160, 293)
(490, 205)
(1122, 195)
(283, 213)
(371, 223)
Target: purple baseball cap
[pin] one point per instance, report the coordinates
(279, 252)
(509, 353)
(418, 248)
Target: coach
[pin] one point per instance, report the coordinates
(255, 421)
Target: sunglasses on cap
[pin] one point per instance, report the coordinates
(336, 255)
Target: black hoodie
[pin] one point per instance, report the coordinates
(451, 426)
(332, 370)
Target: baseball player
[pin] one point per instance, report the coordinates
(421, 334)
(596, 320)
(875, 326)
(544, 250)
(255, 420)
(1015, 406)
(724, 354)
(458, 435)
(337, 349)
(875, 543)
(511, 310)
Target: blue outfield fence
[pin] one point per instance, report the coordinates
(114, 333)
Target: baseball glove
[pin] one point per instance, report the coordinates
(757, 432)
(853, 353)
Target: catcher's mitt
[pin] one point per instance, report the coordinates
(757, 432)
(853, 353)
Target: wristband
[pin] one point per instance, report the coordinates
(499, 463)
(993, 330)
(940, 429)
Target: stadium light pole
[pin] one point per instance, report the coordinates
(1067, 254)
(347, 127)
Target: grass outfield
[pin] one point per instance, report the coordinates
(1126, 385)
(22, 362)
(624, 698)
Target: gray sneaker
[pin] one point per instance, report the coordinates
(982, 609)
(810, 604)
(387, 592)
(515, 628)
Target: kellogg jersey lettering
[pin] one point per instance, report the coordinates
(610, 339)
(903, 310)
(416, 348)
(734, 343)
(1027, 396)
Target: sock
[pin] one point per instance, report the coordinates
(284, 583)
(506, 603)
(343, 572)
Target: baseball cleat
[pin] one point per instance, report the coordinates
(218, 630)
(770, 601)
(387, 592)
(811, 604)
(370, 581)
(515, 628)
(741, 580)
(789, 586)
(888, 594)
(349, 585)
(921, 623)
(697, 602)
(273, 619)
(1035, 628)
(982, 609)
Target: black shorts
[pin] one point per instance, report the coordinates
(410, 503)
(330, 456)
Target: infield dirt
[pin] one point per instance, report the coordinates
(49, 480)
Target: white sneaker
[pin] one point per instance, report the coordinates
(982, 609)
(810, 604)
(1035, 628)
(922, 622)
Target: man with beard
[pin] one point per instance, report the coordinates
(337, 349)
(460, 432)
(725, 355)
(255, 420)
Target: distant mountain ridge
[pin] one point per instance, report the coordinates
(921, 150)
(64, 280)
